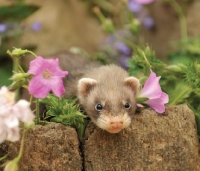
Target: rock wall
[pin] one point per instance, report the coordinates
(153, 142)
(48, 148)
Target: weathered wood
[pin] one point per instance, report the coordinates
(153, 142)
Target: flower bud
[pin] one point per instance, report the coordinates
(20, 76)
(108, 25)
(11, 166)
(96, 10)
(17, 52)
(175, 68)
(135, 26)
(17, 84)
(29, 125)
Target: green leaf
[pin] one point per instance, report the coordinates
(141, 99)
(15, 13)
(192, 75)
(5, 73)
(56, 119)
(65, 111)
(178, 93)
(144, 60)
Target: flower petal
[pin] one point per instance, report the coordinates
(151, 87)
(36, 66)
(3, 131)
(139, 105)
(39, 87)
(13, 134)
(144, 2)
(23, 111)
(11, 120)
(134, 6)
(55, 68)
(158, 104)
(57, 86)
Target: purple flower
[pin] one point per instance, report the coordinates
(3, 27)
(144, 2)
(123, 61)
(36, 26)
(123, 48)
(47, 77)
(134, 6)
(148, 22)
(152, 91)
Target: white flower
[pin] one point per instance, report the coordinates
(11, 114)
(23, 111)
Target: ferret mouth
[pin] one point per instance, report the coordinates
(114, 130)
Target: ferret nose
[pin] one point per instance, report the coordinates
(116, 124)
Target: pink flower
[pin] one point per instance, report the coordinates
(47, 77)
(11, 114)
(152, 91)
(144, 2)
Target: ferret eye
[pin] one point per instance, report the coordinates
(127, 105)
(98, 107)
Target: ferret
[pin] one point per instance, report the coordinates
(106, 93)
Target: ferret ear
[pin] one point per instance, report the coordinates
(85, 85)
(133, 82)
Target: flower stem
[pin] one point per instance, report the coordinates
(145, 58)
(58, 102)
(17, 66)
(37, 112)
(21, 146)
(182, 19)
(32, 53)
(105, 5)
(4, 157)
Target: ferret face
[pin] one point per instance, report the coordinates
(109, 102)
(111, 111)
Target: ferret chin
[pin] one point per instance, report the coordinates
(108, 95)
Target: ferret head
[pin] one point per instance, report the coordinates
(109, 103)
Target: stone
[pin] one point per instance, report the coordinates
(50, 147)
(154, 141)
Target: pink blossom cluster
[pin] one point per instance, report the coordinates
(11, 114)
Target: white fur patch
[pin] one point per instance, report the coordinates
(104, 121)
(85, 84)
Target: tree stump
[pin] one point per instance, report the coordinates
(153, 142)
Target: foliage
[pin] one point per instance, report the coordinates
(65, 111)
(13, 13)
(143, 61)
(11, 19)
(180, 79)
